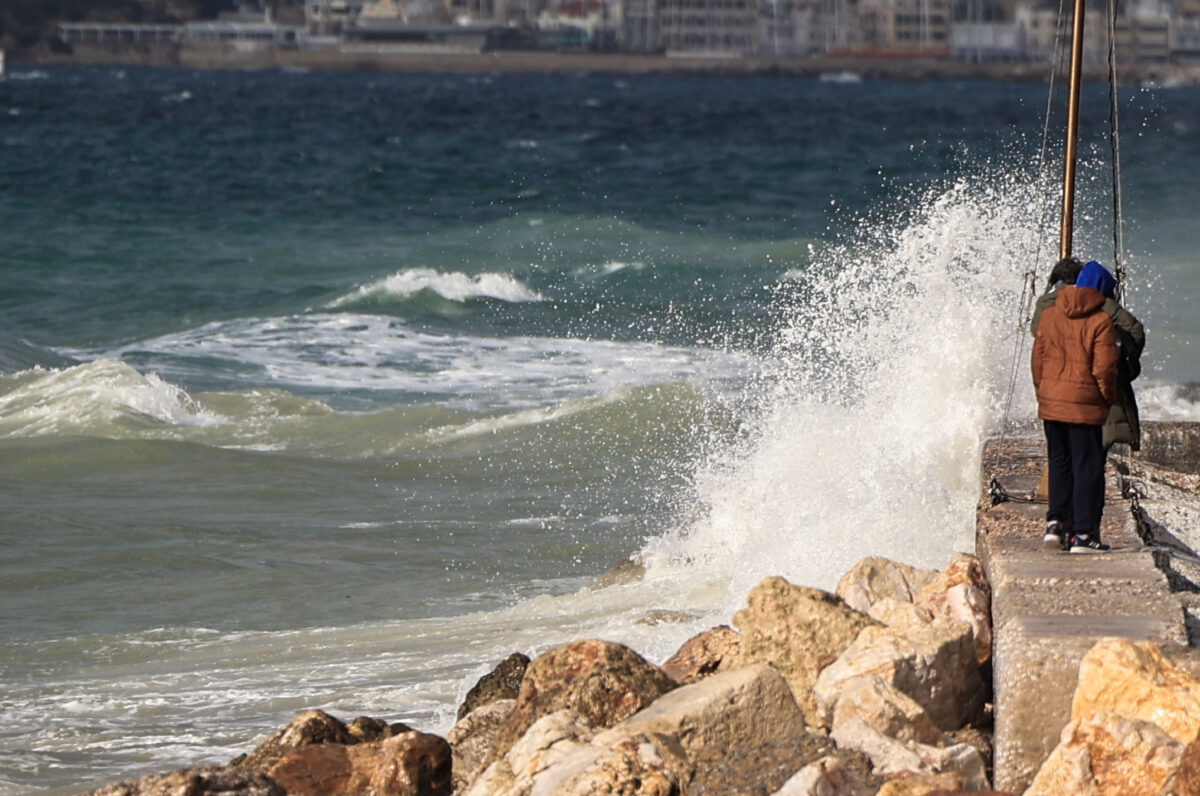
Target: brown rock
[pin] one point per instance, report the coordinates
(875, 577)
(702, 654)
(503, 682)
(472, 737)
(1135, 680)
(309, 728)
(923, 785)
(411, 764)
(365, 729)
(895, 613)
(601, 681)
(539, 751)
(934, 664)
(632, 766)
(204, 781)
(1108, 755)
(962, 592)
(797, 630)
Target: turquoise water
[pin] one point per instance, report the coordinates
(332, 390)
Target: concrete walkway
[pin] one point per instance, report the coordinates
(1049, 608)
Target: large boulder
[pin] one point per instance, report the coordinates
(896, 715)
(962, 592)
(898, 614)
(203, 781)
(701, 655)
(503, 682)
(923, 785)
(410, 764)
(735, 732)
(547, 741)
(934, 664)
(828, 776)
(797, 630)
(472, 737)
(1135, 680)
(309, 728)
(1109, 755)
(874, 578)
(603, 682)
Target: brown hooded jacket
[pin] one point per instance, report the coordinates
(1075, 358)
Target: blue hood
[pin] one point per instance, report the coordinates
(1095, 275)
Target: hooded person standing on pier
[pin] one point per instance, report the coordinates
(1075, 376)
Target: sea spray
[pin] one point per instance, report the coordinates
(892, 365)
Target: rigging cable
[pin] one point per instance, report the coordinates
(1115, 144)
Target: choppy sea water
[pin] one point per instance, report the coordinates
(333, 390)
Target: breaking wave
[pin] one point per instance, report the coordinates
(454, 286)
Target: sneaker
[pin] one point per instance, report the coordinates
(1054, 539)
(1086, 544)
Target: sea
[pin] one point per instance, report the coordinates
(332, 390)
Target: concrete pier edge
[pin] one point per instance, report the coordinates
(1050, 608)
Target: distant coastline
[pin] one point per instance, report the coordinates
(393, 59)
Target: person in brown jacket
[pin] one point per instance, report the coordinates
(1075, 376)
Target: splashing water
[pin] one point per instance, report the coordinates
(892, 366)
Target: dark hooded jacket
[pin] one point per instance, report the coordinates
(1123, 423)
(1075, 358)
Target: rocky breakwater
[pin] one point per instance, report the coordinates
(881, 688)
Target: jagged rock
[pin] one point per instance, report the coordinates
(963, 568)
(411, 764)
(894, 613)
(602, 681)
(739, 731)
(874, 578)
(828, 776)
(1109, 755)
(503, 682)
(702, 654)
(365, 729)
(472, 737)
(924, 785)
(309, 728)
(204, 781)
(891, 757)
(797, 630)
(966, 603)
(896, 715)
(977, 739)
(1135, 680)
(934, 664)
(545, 743)
(961, 591)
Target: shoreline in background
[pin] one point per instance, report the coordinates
(375, 58)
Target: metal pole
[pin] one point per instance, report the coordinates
(1068, 212)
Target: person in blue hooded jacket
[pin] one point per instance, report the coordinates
(1123, 424)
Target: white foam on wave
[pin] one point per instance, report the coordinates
(453, 286)
(1158, 400)
(96, 398)
(347, 351)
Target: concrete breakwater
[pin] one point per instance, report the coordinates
(1050, 610)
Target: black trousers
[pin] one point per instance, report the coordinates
(1076, 465)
